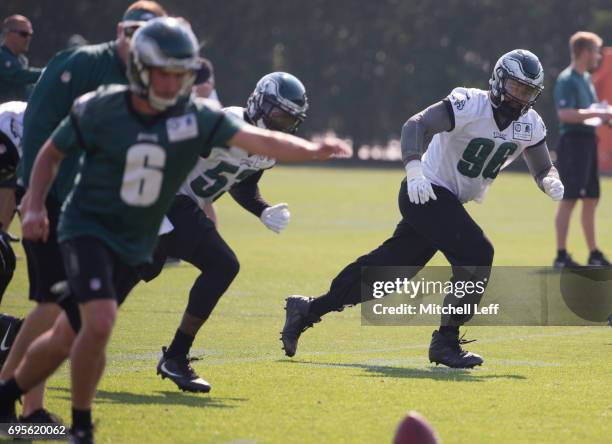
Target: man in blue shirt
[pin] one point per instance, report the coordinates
(577, 153)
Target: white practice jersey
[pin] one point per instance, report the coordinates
(466, 159)
(11, 122)
(223, 168)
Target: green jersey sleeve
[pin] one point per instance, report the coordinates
(73, 132)
(565, 94)
(217, 127)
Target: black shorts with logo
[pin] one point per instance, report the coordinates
(45, 267)
(94, 272)
(577, 165)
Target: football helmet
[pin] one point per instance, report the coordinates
(163, 42)
(516, 83)
(11, 131)
(278, 103)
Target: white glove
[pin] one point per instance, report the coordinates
(277, 217)
(553, 187)
(419, 188)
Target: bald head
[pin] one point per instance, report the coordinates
(17, 33)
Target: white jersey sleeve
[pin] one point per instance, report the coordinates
(465, 104)
(11, 122)
(223, 168)
(468, 158)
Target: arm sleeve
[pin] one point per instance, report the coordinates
(538, 161)
(71, 134)
(247, 194)
(18, 75)
(418, 131)
(218, 128)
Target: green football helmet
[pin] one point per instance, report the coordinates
(278, 103)
(163, 42)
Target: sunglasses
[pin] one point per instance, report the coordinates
(24, 34)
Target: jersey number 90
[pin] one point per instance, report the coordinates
(143, 175)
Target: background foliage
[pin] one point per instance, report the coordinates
(368, 66)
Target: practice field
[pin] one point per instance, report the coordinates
(347, 383)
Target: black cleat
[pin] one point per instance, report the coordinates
(41, 416)
(565, 261)
(297, 320)
(597, 259)
(180, 371)
(8, 417)
(446, 350)
(80, 436)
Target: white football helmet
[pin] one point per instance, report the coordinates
(516, 83)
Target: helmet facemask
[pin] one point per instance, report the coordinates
(279, 117)
(161, 103)
(517, 83)
(146, 53)
(268, 108)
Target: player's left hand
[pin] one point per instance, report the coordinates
(276, 218)
(553, 187)
(34, 221)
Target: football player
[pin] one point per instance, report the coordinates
(68, 75)
(138, 144)
(452, 151)
(279, 103)
(11, 130)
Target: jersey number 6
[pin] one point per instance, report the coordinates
(143, 175)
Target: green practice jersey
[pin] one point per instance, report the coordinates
(573, 90)
(16, 77)
(132, 166)
(68, 75)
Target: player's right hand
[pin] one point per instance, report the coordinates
(553, 187)
(34, 221)
(419, 188)
(333, 147)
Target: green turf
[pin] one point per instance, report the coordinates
(348, 383)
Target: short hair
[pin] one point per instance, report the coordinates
(147, 5)
(13, 20)
(583, 40)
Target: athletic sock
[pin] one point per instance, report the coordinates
(561, 253)
(81, 419)
(449, 330)
(322, 305)
(181, 344)
(9, 393)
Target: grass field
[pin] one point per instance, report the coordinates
(347, 383)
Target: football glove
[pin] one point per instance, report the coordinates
(553, 187)
(277, 217)
(419, 188)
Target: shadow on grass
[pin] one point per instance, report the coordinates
(160, 398)
(436, 373)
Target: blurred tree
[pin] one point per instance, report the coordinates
(368, 66)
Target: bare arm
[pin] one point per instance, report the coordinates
(538, 161)
(34, 219)
(285, 147)
(418, 131)
(571, 115)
